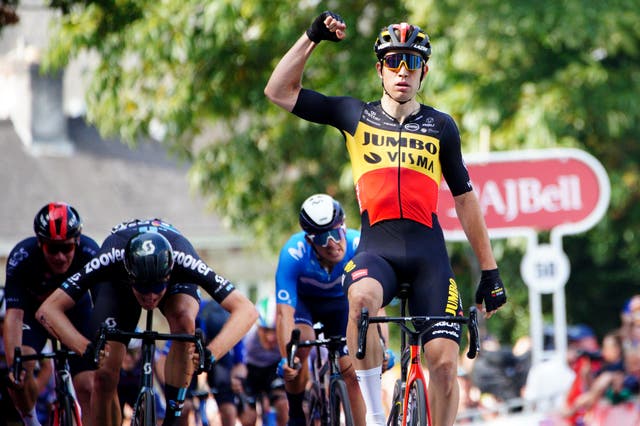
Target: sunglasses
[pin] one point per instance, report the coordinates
(146, 287)
(323, 239)
(395, 60)
(55, 248)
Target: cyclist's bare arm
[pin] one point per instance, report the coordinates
(12, 330)
(284, 326)
(472, 221)
(52, 316)
(285, 82)
(243, 316)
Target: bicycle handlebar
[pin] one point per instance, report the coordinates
(292, 347)
(19, 359)
(363, 327)
(471, 321)
(474, 340)
(111, 333)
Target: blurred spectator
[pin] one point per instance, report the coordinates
(500, 372)
(581, 338)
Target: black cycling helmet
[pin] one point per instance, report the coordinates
(402, 36)
(320, 213)
(57, 222)
(148, 258)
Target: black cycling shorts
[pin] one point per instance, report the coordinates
(262, 381)
(332, 312)
(219, 380)
(403, 251)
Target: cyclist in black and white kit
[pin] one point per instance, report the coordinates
(35, 268)
(400, 150)
(146, 264)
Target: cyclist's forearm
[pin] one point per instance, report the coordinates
(51, 315)
(12, 332)
(284, 326)
(284, 85)
(243, 317)
(472, 222)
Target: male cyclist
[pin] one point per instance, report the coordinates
(35, 268)
(399, 150)
(262, 356)
(10, 416)
(146, 264)
(309, 290)
(211, 318)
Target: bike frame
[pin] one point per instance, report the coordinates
(149, 337)
(415, 372)
(411, 369)
(320, 368)
(64, 389)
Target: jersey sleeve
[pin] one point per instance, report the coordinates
(17, 261)
(341, 112)
(189, 267)
(287, 272)
(106, 264)
(453, 168)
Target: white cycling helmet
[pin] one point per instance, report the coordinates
(320, 213)
(267, 312)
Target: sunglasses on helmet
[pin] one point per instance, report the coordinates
(55, 248)
(334, 234)
(394, 61)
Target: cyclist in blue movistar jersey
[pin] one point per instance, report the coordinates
(36, 266)
(309, 290)
(400, 150)
(146, 264)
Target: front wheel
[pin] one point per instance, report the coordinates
(395, 417)
(144, 411)
(340, 407)
(417, 405)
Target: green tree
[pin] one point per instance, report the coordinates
(546, 74)
(197, 71)
(538, 74)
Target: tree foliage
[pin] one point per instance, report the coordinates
(537, 74)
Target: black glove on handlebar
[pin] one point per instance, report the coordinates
(89, 356)
(318, 31)
(491, 290)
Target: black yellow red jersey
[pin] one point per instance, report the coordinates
(397, 167)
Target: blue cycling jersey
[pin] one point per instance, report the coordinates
(300, 273)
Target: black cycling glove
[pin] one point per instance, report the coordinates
(89, 356)
(491, 290)
(318, 31)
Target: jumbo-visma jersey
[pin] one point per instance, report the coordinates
(397, 167)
